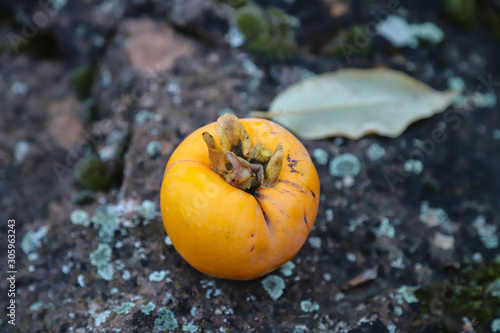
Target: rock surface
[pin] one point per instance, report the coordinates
(98, 260)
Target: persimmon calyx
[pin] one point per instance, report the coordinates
(237, 161)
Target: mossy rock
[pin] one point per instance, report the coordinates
(83, 197)
(251, 21)
(268, 33)
(233, 3)
(91, 173)
(42, 45)
(468, 294)
(354, 41)
(82, 79)
(492, 19)
(462, 12)
(88, 111)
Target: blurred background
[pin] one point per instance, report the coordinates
(96, 94)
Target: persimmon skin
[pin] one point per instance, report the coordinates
(226, 232)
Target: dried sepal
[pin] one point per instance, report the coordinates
(216, 156)
(259, 153)
(240, 174)
(232, 135)
(259, 171)
(273, 168)
(240, 164)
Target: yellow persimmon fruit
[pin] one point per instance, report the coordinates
(239, 198)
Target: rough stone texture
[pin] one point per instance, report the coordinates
(163, 70)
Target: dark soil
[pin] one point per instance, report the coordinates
(94, 97)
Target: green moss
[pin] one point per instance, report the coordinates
(491, 16)
(83, 197)
(7, 17)
(40, 43)
(91, 173)
(82, 79)
(353, 41)
(233, 3)
(462, 12)
(88, 111)
(467, 295)
(268, 33)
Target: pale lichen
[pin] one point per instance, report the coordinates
(314, 242)
(413, 166)
(399, 33)
(36, 306)
(101, 255)
(107, 220)
(375, 152)
(443, 241)
(153, 148)
(157, 276)
(101, 258)
(309, 306)
(287, 268)
(124, 308)
(486, 232)
(165, 320)
(300, 329)
(274, 285)
(189, 328)
(79, 217)
(143, 116)
(495, 325)
(426, 31)
(321, 156)
(32, 240)
(147, 308)
(385, 229)
(494, 288)
(148, 210)
(406, 294)
(21, 150)
(433, 217)
(101, 318)
(456, 83)
(345, 165)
